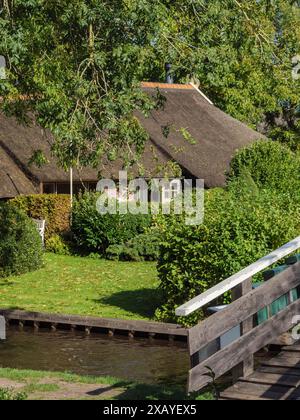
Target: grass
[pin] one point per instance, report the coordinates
(33, 382)
(84, 286)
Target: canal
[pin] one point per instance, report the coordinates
(139, 360)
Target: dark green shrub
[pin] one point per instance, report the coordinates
(20, 244)
(122, 253)
(237, 230)
(258, 212)
(94, 233)
(270, 164)
(144, 247)
(55, 209)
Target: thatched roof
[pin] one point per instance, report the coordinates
(215, 136)
(13, 181)
(22, 141)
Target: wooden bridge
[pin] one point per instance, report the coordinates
(212, 357)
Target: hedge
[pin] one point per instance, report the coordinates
(270, 164)
(258, 212)
(20, 243)
(240, 226)
(94, 233)
(144, 247)
(55, 209)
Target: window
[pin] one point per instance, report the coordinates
(49, 188)
(171, 190)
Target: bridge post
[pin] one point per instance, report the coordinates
(2, 328)
(246, 368)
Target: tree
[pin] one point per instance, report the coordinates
(76, 66)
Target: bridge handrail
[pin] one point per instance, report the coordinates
(237, 279)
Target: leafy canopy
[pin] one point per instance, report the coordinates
(78, 65)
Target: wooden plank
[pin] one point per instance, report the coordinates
(295, 395)
(295, 357)
(236, 396)
(240, 310)
(233, 281)
(285, 355)
(251, 343)
(283, 363)
(247, 366)
(273, 379)
(251, 390)
(109, 323)
(284, 371)
(295, 348)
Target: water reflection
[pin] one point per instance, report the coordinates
(98, 355)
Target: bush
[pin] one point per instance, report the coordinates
(240, 226)
(55, 209)
(58, 245)
(270, 164)
(144, 247)
(7, 394)
(94, 233)
(20, 243)
(122, 253)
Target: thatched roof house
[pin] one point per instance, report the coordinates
(201, 139)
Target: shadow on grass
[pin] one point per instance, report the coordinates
(12, 309)
(99, 391)
(147, 392)
(142, 302)
(144, 392)
(6, 283)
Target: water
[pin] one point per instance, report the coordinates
(96, 355)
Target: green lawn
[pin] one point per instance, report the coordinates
(84, 286)
(47, 385)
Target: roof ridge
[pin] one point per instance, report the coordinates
(167, 85)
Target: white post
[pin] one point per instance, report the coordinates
(71, 186)
(2, 328)
(2, 68)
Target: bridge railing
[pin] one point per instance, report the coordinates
(239, 354)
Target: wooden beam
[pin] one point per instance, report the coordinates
(108, 323)
(252, 342)
(246, 368)
(235, 280)
(242, 309)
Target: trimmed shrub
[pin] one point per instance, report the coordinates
(240, 226)
(270, 164)
(55, 209)
(20, 243)
(144, 247)
(58, 245)
(94, 233)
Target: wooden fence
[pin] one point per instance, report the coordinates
(242, 312)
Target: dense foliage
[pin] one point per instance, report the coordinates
(242, 223)
(78, 65)
(20, 243)
(55, 209)
(94, 233)
(60, 245)
(144, 247)
(7, 394)
(270, 165)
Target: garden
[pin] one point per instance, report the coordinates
(142, 267)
